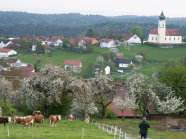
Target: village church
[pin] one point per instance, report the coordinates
(163, 35)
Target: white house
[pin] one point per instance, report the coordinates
(107, 43)
(5, 43)
(163, 35)
(15, 63)
(7, 52)
(73, 65)
(34, 46)
(125, 63)
(132, 39)
(107, 70)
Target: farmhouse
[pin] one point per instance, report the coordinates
(132, 39)
(5, 43)
(73, 65)
(13, 62)
(107, 43)
(163, 35)
(7, 52)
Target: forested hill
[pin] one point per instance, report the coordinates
(71, 19)
(70, 25)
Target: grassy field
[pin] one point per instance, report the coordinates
(155, 57)
(65, 130)
(131, 127)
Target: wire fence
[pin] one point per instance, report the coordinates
(112, 130)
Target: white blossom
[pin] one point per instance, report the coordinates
(83, 101)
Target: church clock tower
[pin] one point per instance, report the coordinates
(161, 28)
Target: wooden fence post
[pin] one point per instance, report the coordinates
(83, 133)
(8, 131)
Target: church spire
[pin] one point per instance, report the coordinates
(162, 16)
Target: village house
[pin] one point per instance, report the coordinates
(122, 64)
(5, 43)
(163, 35)
(4, 52)
(107, 43)
(132, 39)
(28, 68)
(79, 41)
(73, 65)
(90, 40)
(107, 70)
(13, 62)
(55, 41)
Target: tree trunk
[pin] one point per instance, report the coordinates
(46, 110)
(123, 117)
(103, 112)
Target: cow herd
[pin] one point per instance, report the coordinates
(30, 121)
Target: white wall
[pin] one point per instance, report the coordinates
(153, 38)
(134, 40)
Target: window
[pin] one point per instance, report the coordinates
(178, 38)
(152, 38)
(170, 38)
(165, 38)
(174, 38)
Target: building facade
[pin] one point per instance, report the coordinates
(163, 35)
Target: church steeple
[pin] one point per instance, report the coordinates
(162, 16)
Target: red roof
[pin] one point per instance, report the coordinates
(28, 68)
(173, 32)
(5, 50)
(127, 36)
(9, 61)
(29, 74)
(105, 40)
(54, 38)
(169, 32)
(72, 62)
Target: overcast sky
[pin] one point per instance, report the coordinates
(176, 8)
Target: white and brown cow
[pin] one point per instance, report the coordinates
(26, 121)
(53, 119)
(38, 117)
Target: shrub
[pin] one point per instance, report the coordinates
(110, 114)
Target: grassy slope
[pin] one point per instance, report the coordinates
(131, 127)
(155, 57)
(64, 130)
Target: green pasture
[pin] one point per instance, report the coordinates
(155, 57)
(65, 130)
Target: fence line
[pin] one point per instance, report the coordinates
(112, 130)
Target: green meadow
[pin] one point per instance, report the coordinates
(65, 130)
(155, 58)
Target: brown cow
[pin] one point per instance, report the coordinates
(53, 119)
(39, 118)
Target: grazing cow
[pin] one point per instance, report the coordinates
(38, 118)
(4, 120)
(25, 121)
(71, 117)
(53, 119)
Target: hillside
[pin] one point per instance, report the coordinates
(14, 24)
(155, 57)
